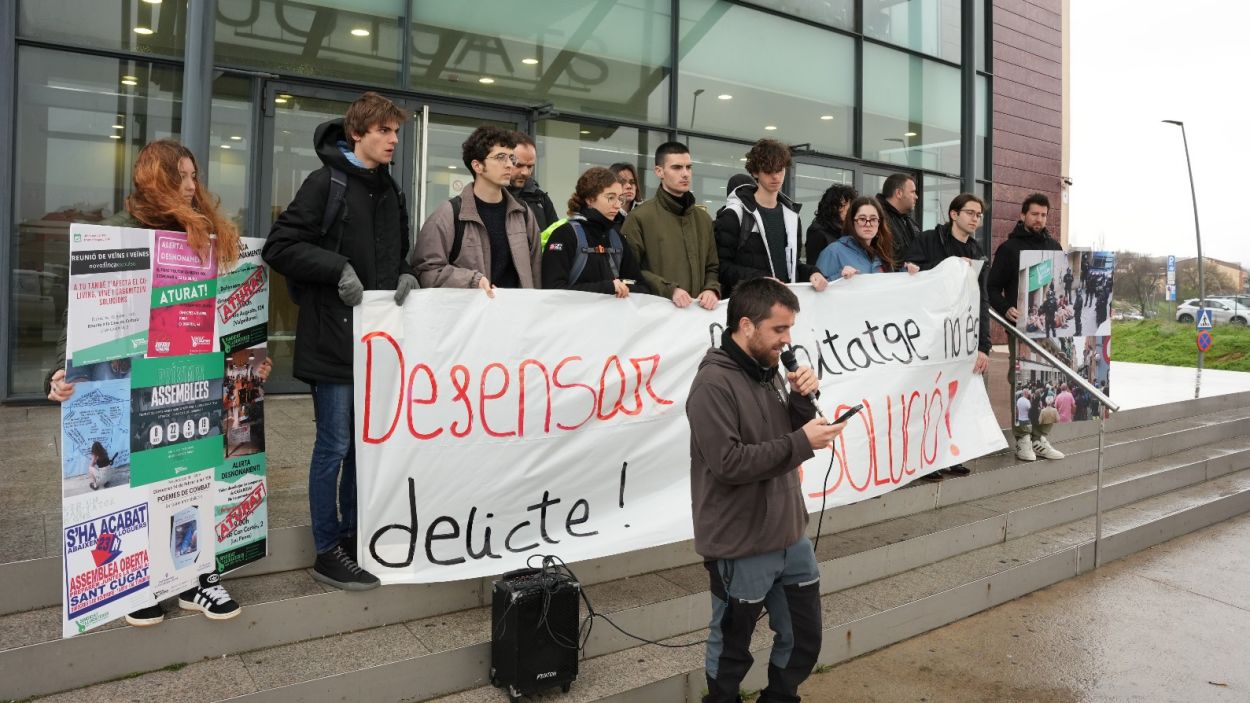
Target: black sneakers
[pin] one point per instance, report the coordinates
(210, 598)
(337, 568)
(146, 617)
(958, 470)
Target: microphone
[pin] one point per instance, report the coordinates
(792, 365)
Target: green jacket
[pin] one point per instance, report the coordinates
(672, 240)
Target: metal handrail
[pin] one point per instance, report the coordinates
(1102, 418)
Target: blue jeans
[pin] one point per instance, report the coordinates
(331, 492)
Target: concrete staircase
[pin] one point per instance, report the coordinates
(892, 567)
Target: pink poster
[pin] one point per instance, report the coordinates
(184, 295)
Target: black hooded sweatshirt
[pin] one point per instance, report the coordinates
(1003, 285)
(561, 250)
(371, 232)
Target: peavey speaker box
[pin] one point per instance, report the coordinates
(534, 635)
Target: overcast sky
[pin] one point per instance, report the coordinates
(1134, 63)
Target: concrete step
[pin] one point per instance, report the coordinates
(867, 617)
(450, 648)
(35, 583)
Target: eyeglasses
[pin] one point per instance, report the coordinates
(610, 197)
(865, 221)
(974, 214)
(504, 157)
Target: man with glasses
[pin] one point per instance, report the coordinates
(524, 186)
(957, 238)
(483, 238)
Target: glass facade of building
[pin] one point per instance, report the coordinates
(860, 88)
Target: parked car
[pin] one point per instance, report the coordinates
(1223, 311)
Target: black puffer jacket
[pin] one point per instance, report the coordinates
(371, 233)
(1004, 281)
(903, 228)
(820, 236)
(561, 250)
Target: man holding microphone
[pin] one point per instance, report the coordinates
(748, 437)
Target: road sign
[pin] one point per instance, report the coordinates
(1204, 340)
(1204, 319)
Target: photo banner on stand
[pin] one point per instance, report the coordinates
(553, 422)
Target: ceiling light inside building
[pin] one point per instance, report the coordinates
(129, 80)
(770, 127)
(909, 134)
(452, 167)
(115, 136)
(280, 100)
(530, 62)
(360, 32)
(585, 131)
(225, 146)
(119, 126)
(826, 117)
(236, 138)
(144, 30)
(724, 96)
(486, 80)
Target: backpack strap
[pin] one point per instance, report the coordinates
(334, 200)
(458, 238)
(582, 252)
(745, 221)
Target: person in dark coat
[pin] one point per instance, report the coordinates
(768, 245)
(525, 187)
(364, 248)
(957, 238)
(826, 226)
(595, 206)
(898, 198)
(1004, 287)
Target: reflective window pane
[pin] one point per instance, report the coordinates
(713, 163)
(929, 26)
(911, 110)
(935, 198)
(835, 13)
(981, 163)
(810, 183)
(359, 40)
(81, 121)
(602, 58)
(230, 146)
(567, 149)
(979, 29)
(122, 25)
(797, 86)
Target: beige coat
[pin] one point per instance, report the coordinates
(434, 242)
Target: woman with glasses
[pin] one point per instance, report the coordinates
(869, 249)
(630, 195)
(587, 252)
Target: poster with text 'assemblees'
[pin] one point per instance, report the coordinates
(110, 279)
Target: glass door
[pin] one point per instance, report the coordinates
(427, 165)
(809, 179)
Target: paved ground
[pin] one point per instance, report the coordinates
(1171, 623)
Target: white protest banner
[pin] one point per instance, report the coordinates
(553, 422)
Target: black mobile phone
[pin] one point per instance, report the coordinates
(849, 414)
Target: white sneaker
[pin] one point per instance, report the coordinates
(1043, 449)
(1024, 449)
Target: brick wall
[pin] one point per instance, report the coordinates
(1027, 110)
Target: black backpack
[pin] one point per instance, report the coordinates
(334, 205)
(615, 252)
(457, 240)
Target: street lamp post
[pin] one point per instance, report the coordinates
(1202, 288)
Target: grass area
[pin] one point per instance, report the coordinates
(1173, 344)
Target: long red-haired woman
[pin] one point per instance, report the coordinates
(168, 195)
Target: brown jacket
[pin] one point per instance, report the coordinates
(746, 442)
(434, 242)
